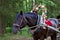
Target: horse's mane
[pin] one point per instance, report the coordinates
(21, 13)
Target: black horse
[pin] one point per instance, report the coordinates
(30, 19)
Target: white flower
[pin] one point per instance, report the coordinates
(42, 6)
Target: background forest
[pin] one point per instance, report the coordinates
(9, 8)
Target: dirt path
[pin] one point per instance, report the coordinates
(20, 37)
(24, 38)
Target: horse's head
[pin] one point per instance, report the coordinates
(21, 20)
(18, 23)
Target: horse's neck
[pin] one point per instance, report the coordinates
(31, 19)
(31, 23)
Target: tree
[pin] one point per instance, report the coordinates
(33, 3)
(1, 26)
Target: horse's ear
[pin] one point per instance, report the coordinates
(21, 13)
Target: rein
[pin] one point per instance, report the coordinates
(25, 19)
(38, 25)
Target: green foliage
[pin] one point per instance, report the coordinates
(23, 32)
(46, 2)
(8, 29)
(9, 36)
(9, 8)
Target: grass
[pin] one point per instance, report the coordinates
(9, 36)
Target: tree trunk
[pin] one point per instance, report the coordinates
(33, 3)
(1, 26)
